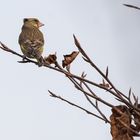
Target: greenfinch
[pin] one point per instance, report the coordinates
(31, 39)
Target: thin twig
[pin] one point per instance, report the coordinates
(73, 104)
(79, 80)
(97, 108)
(132, 6)
(57, 68)
(96, 68)
(118, 94)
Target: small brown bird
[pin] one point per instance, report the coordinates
(31, 39)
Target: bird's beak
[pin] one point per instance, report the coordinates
(40, 24)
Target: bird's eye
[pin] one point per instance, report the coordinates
(25, 20)
(36, 20)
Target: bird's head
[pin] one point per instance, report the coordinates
(32, 22)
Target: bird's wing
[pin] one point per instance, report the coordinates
(33, 43)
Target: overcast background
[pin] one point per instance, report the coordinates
(108, 31)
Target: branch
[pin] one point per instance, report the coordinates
(132, 6)
(73, 104)
(68, 74)
(105, 76)
(123, 98)
(82, 83)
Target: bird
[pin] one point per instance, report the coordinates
(31, 39)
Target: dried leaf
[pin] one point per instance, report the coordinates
(51, 59)
(137, 118)
(120, 118)
(68, 59)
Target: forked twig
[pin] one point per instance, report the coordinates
(84, 85)
(73, 104)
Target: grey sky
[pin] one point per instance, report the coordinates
(108, 31)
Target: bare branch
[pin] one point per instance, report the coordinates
(97, 108)
(83, 84)
(59, 69)
(132, 6)
(118, 93)
(73, 104)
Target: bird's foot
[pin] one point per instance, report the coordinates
(23, 58)
(40, 61)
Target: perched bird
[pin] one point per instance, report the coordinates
(31, 39)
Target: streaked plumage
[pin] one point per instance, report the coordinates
(31, 39)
